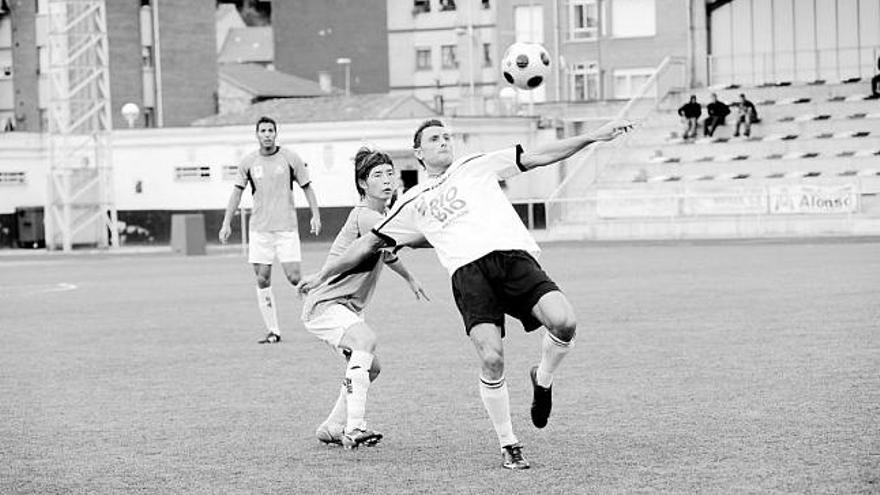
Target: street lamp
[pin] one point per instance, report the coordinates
(130, 111)
(346, 62)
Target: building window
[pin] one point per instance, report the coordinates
(42, 60)
(423, 59)
(487, 55)
(420, 6)
(193, 173)
(584, 19)
(230, 172)
(13, 178)
(528, 23)
(447, 5)
(146, 56)
(486, 5)
(632, 18)
(585, 82)
(628, 82)
(45, 125)
(450, 61)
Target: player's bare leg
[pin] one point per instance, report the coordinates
(292, 271)
(361, 340)
(266, 302)
(555, 312)
(493, 390)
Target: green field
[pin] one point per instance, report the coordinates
(749, 367)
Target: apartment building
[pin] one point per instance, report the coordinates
(445, 51)
(607, 49)
(162, 59)
(7, 100)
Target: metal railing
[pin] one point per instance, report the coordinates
(668, 78)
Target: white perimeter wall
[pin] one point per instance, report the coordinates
(150, 156)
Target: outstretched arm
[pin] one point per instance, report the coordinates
(549, 153)
(399, 268)
(359, 250)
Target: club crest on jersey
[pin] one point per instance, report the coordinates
(257, 171)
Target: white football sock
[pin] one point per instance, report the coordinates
(266, 301)
(552, 352)
(357, 377)
(338, 415)
(497, 401)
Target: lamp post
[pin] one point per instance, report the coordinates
(346, 62)
(130, 111)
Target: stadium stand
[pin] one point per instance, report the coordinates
(806, 131)
(810, 167)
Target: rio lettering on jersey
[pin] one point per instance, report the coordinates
(444, 205)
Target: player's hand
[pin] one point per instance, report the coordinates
(316, 225)
(612, 130)
(225, 231)
(418, 290)
(307, 283)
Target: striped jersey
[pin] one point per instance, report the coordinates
(271, 179)
(354, 288)
(463, 212)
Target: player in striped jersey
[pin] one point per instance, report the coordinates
(490, 255)
(334, 310)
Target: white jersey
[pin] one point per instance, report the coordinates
(463, 212)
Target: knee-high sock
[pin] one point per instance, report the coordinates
(266, 301)
(552, 352)
(497, 401)
(357, 378)
(339, 414)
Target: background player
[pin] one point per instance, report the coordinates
(333, 311)
(271, 172)
(462, 211)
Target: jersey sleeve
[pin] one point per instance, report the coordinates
(399, 228)
(504, 163)
(299, 170)
(242, 174)
(367, 219)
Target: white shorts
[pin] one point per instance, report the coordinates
(330, 323)
(264, 247)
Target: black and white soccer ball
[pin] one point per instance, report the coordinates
(525, 65)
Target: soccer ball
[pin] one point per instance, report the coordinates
(525, 65)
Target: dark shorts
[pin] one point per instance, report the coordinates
(502, 282)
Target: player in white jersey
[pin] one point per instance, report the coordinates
(273, 231)
(334, 310)
(463, 213)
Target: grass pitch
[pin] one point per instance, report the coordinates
(705, 367)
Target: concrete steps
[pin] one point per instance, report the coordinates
(758, 94)
(742, 149)
(755, 169)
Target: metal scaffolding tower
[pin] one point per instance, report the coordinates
(80, 205)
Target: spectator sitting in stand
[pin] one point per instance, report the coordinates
(875, 83)
(717, 111)
(746, 115)
(691, 113)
